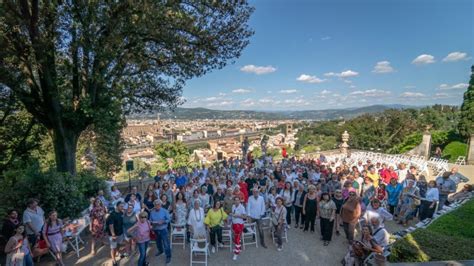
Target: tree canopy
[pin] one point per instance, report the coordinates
(84, 64)
(466, 122)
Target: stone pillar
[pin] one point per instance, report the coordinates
(426, 145)
(470, 150)
(344, 146)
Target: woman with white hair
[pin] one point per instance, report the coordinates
(196, 221)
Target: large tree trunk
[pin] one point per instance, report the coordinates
(65, 146)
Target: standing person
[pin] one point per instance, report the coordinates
(214, 220)
(237, 215)
(148, 200)
(97, 216)
(446, 186)
(114, 227)
(135, 192)
(350, 214)
(256, 211)
(310, 207)
(160, 219)
(338, 200)
(374, 176)
(287, 194)
(279, 221)
(428, 204)
(18, 249)
(10, 224)
(393, 190)
(141, 230)
(180, 209)
(33, 218)
(53, 235)
(130, 218)
(298, 205)
(327, 214)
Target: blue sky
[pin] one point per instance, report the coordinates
(309, 55)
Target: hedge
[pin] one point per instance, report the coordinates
(453, 150)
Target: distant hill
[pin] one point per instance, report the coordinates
(328, 114)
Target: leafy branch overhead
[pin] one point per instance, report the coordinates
(68, 62)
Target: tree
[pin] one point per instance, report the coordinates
(172, 155)
(69, 61)
(466, 122)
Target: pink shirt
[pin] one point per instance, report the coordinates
(143, 232)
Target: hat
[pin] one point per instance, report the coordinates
(352, 190)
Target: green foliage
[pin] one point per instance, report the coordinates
(175, 152)
(85, 64)
(466, 122)
(55, 191)
(450, 237)
(453, 150)
(409, 143)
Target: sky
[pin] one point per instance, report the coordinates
(311, 55)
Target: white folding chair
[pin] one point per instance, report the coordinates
(199, 248)
(227, 237)
(249, 237)
(178, 234)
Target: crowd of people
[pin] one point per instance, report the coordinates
(204, 201)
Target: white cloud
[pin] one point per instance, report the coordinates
(326, 38)
(453, 87)
(409, 87)
(352, 86)
(383, 67)
(455, 56)
(343, 74)
(259, 70)
(248, 102)
(242, 91)
(440, 96)
(222, 94)
(423, 59)
(296, 102)
(323, 92)
(309, 79)
(409, 94)
(288, 91)
(266, 100)
(370, 93)
(221, 103)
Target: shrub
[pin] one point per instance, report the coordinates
(56, 191)
(407, 144)
(453, 150)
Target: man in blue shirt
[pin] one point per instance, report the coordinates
(160, 218)
(446, 186)
(181, 180)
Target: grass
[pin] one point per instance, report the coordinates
(451, 237)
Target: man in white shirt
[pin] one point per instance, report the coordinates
(237, 215)
(33, 218)
(256, 211)
(380, 234)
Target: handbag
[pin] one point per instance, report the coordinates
(358, 249)
(15, 259)
(152, 234)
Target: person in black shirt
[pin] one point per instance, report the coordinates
(9, 224)
(251, 181)
(114, 228)
(137, 194)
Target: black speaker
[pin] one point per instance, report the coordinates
(220, 156)
(129, 165)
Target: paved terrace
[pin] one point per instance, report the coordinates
(301, 249)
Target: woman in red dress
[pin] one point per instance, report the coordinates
(97, 216)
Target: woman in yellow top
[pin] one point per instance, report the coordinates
(214, 220)
(374, 176)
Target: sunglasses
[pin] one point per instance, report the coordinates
(143, 217)
(352, 194)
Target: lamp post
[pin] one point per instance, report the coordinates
(129, 167)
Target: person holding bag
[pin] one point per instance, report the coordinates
(279, 221)
(214, 220)
(141, 232)
(18, 249)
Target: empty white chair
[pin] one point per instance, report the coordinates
(199, 248)
(227, 237)
(178, 234)
(249, 237)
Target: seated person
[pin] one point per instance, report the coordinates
(465, 192)
(360, 250)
